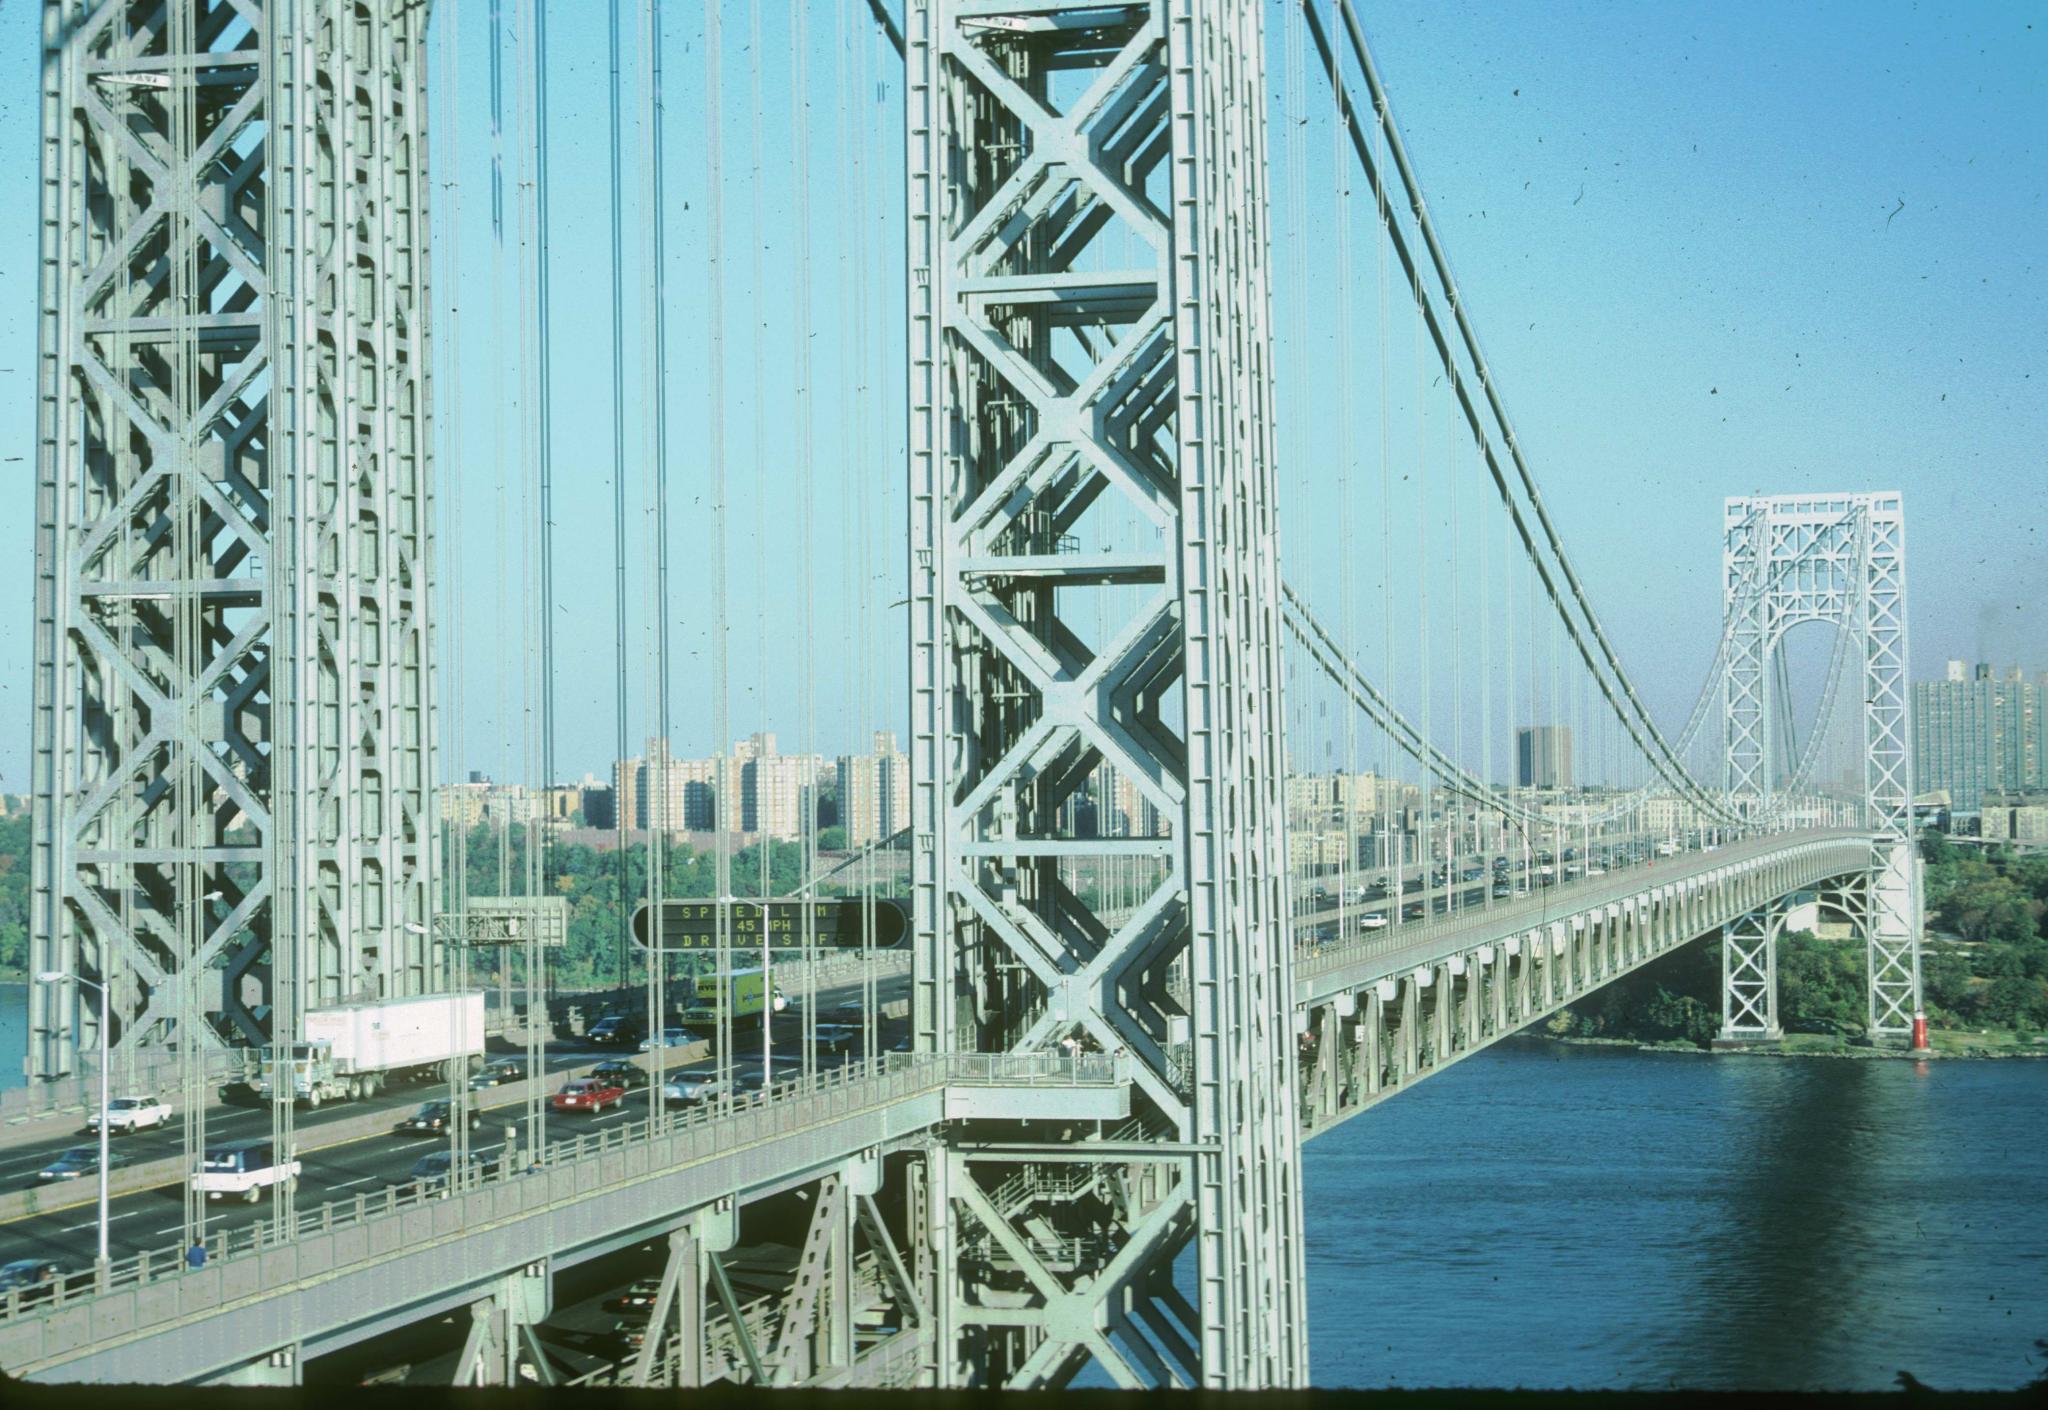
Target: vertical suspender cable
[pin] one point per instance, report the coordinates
(1347, 453)
(758, 342)
(715, 433)
(616, 183)
(541, 408)
(653, 189)
(1426, 845)
(448, 544)
(800, 149)
(1396, 826)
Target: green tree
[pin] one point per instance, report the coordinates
(2005, 1002)
(1945, 976)
(1819, 980)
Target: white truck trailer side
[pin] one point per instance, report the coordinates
(353, 1050)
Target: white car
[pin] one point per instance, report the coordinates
(125, 1114)
(1375, 921)
(689, 1088)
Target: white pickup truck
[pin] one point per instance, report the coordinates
(128, 1114)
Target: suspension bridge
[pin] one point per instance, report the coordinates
(1225, 570)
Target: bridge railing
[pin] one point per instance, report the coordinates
(715, 1127)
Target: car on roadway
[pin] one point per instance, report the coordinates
(669, 1038)
(126, 1114)
(1412, 911)
(587, 1094)
(1376, 921)
(628, 1332)
(690, 1088)
(28, 1279)
(615, 1031)
(77, 1162)
(432, 1170)
(438, 1115)
(638, 1298)
(620, 1073)
(501, 1073)
(837, 1037)
(246, 1168)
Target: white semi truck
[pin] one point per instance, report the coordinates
(353, 1050)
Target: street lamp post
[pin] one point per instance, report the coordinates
(58, 976)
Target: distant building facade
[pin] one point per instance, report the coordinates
(2015, 818)
(1543, 756)
(874, 791)
(1976, 734)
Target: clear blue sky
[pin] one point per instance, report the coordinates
(1711, 249)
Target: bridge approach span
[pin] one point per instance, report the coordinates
(1379, 1014)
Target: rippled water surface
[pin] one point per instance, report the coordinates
(1545, 1216)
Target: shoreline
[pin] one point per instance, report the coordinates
(1951, 1052)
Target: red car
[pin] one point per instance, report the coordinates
(588, 1094)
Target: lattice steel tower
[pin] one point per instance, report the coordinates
(1095, 599)
(233, 679)
(1839, 559)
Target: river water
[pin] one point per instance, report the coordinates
(13, 1034)
(1551, 1216)
(1543, 1215)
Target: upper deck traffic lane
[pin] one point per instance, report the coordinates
(1331, 968)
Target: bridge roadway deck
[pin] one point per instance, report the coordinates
(1325, 971)
(359, 1267)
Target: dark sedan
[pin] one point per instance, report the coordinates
(78, 1162)
(629, 1075)
(28, 1278)
(433, 1117)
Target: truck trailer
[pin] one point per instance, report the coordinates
(353, 1051)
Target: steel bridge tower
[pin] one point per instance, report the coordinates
(233, 722)
(1095, 599)
(1839, 559)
